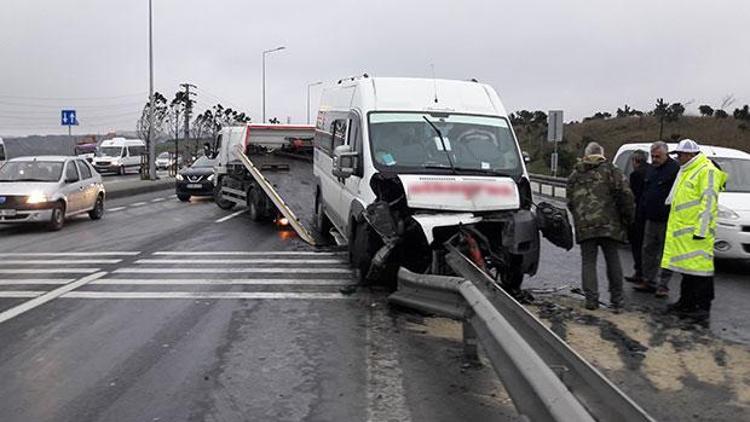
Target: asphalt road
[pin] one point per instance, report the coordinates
(170, 311)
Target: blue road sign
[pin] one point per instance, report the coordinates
(68, 118)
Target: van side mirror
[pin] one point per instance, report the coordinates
(344, 161)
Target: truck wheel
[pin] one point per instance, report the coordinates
(255, 205)
(222, 203)
(58, 217)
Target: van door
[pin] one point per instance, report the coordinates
(332, 186)
(350, 186)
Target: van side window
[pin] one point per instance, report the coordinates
(355, 141)
(136, 151)
(84, 169)
(2, 153)
(338, 131)
(323, 140)
(623, 163)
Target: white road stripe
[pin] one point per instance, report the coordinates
(11, 294)
(222, 281)
(137, 204)
(48, 270)
(115, 209)
(142, 270)
(7, 282)
(93, 253)
(242, 261)
(243, 253)
(41, 300)
(158, 199)
(58, 261)
(205, 295)
(230, 216)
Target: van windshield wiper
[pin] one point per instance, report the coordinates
(469, 170)
(442, 141)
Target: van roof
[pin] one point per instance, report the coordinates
(122, 141)
(416, 94)
(709, 150)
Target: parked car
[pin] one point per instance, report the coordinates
(119, 155)
(733, 221)
(49, 189)
(196, 180)
(86, 151)
(165, 160)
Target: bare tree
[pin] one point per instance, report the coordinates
(160, 112)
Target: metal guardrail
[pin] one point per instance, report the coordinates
(548, 185)
(546, 379)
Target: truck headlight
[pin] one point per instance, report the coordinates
(36, 198)
(179, 177)
(727, 214)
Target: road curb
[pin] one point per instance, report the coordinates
(143, 187)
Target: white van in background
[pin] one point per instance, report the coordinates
(119, 155)
(2, 152)
(733, 221)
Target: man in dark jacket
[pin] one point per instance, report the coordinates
(635, 233)
(658, 184)
(602, 207)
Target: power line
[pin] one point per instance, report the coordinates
(20, 97)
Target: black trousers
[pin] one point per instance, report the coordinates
(696, 292)
(635, 235)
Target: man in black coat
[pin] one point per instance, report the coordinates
(658, 183)
(635, 231)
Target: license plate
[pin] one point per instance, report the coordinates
(8, 213)
(194, 186)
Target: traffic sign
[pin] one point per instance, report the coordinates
(555, 126)
(68, 118)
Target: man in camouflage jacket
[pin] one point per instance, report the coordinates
(603, 208)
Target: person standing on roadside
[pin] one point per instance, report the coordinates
(635, 232)
(691, 228)
(603, 208)
(658, 183)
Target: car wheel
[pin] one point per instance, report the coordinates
(183, 198)
(58, 217)
(98, 211)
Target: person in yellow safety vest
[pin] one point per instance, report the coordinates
(691, 228)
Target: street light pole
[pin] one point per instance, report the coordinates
(264, 77)
(151, 141)
(308, 98)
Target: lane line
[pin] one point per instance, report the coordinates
(115, 209)
(41, 300)
(224, 281)
(26, 294)
(58, 261)
(48, 270)
(243, 253)
(11, 282)
(230, 216)
(206, 295)
(138, 204)
(93, 253)
(142, 270)
(242, 261)
(158, 199)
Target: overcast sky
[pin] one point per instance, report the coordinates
(579, 56)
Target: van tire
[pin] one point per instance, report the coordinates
(57, 220)
(121, 172)
(323, 225)
(183, 198)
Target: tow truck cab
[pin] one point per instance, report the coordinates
(404, 165)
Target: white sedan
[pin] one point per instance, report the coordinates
(48, 189)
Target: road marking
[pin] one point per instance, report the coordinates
(158, 199)
(115, 209)
(7, 282)
(206, 295)
(222, 281)
(243, 253)
(243, 261)
(141, 270)
(137, 204)
(93, 253)
(41, 300)
(230, 216)
(49, 270)
(58, 261)
(21, 294)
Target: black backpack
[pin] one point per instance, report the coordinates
(554, 225)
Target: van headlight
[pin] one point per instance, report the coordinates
(36, 198)
(179, 177)
(727, 214)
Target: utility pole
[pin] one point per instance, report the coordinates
(188, 108)
(310, 85)
(151, 143)
(264, 78)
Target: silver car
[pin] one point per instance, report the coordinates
(48, 189)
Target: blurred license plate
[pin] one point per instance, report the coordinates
(194, 186)
(8, 213)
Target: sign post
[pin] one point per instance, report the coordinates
(555, 135)
(68, 118)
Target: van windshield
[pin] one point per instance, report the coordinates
(405, 142)
(738, 173)
(110, 151)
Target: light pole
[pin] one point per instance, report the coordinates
(308, 98)
(264, 77)
(151, 142)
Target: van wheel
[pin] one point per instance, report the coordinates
(58, 217)
(122, 171)
(322, 223)
(98, 211)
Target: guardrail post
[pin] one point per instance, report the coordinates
(471, 350)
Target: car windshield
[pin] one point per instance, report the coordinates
(738, 173)
(406, 142)
(163, 156)
(110, 151)
(202, 161)
(31, 171)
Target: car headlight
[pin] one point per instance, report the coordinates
(727, 213)
(179, 177)
(210, 178)
(36, 198)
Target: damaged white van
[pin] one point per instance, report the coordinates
(404, 165)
